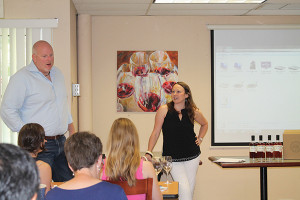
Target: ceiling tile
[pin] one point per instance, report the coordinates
(203, 6)
(108, 7)
(112, 1)
(274, 12)
(272, 6)
(141, 7)
(283, 1)
(292, 7)
(115, 13)
(196, 12)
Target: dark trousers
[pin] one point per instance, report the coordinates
(54, 155)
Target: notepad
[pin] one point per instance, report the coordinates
(230, 160)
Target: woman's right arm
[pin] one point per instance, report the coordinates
(149, 172)
(45, 175)
(159, 120)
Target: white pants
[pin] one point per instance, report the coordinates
(185, 173)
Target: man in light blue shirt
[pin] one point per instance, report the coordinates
(37, 94)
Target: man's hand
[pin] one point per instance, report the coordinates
(71, 129)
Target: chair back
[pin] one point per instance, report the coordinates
(142, 186)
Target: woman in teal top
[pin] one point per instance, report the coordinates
(176, 120)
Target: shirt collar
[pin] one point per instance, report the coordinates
(32, 68)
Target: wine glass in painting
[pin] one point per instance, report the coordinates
(140, 65)
(148, 92)
(160, 63)
(156, 161)
(167, 84)
(167, 165)
(125, 84)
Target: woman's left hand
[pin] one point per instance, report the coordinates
(197, 141)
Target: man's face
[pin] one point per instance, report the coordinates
(43, 58)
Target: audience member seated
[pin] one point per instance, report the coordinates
(32, 139)
(19, 178)
(84, 154)
(124, 162)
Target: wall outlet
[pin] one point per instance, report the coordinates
(76, 90)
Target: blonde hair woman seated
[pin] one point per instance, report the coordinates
(124, 162)
(32, 139)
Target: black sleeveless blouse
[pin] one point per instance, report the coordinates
(179, 137)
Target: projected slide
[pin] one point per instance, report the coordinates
(256, 89)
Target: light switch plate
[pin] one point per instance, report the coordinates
(76, 90)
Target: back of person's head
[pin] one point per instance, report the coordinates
(19, 178)
(31, 138)
(82, 150)
(123, 151)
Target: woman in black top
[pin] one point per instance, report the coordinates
(176, 120)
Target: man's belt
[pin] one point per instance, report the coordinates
(53, 137)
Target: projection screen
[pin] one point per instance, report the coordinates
(255, 84)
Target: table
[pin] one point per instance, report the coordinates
(170, 193)
(263, 168)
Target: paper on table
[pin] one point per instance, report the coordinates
(230, 160)
(163, 188)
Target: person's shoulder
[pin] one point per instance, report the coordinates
(21, 73)
(163, 109)
(56, 70)
(112, 188)
(53, 194)
(110, 185)
(41, 163)
(148, 170)
(147, 165)
(44, 168)
(197, 111)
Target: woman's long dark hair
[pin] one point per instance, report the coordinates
(190, 105)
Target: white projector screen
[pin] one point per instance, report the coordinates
(255, 84)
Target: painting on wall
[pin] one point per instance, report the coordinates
(145, 79)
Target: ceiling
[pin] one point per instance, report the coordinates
(146, 8)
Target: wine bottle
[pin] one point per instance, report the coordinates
(278, 148)
(269, 149)
(252, 148)
(261, 149)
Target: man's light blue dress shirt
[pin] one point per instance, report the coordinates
(31, 98)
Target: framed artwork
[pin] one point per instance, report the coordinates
(145, 79)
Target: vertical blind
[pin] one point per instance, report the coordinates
(16, 40)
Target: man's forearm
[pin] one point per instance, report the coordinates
(12, 120)
(71, 129)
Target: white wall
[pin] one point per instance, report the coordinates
(187, 35)
(190, 37)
